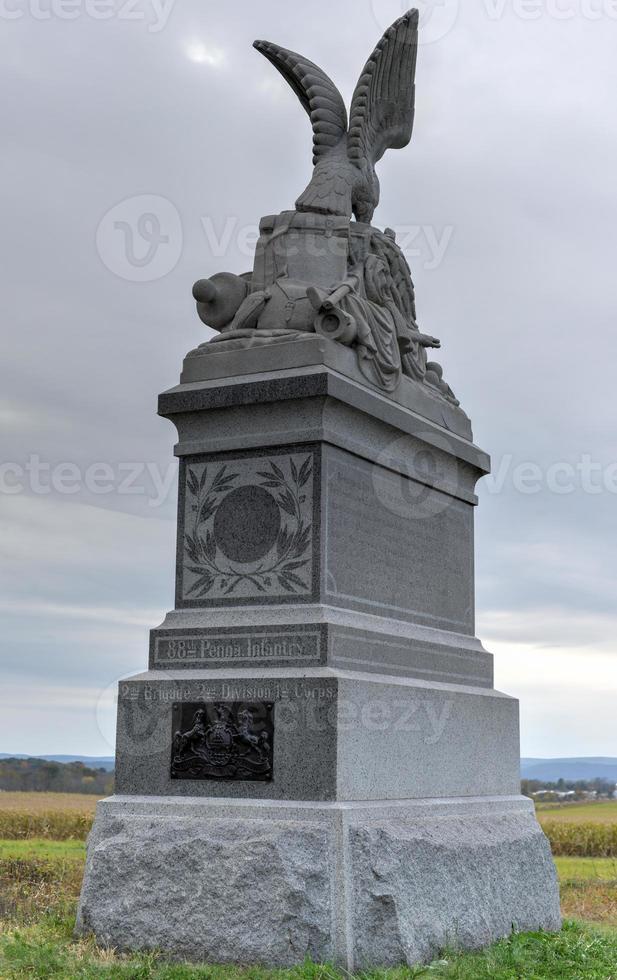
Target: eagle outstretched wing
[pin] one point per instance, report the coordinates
(317, 93)
(382, 110)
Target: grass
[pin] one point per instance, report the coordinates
(578, 952)
(590, 901)
(589, 889)
(584, 868)
(36, 886)
(26, 850)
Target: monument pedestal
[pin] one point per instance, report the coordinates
(356, 884)
(316, 762)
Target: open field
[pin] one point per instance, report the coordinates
(602, 812)
(45, 802)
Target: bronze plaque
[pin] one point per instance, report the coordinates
(222, 740)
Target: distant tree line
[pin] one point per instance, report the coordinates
(580, 787)
(40, 776)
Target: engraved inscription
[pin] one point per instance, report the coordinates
(421, 562)
(226, 740)
(248, 528)
(233, 648)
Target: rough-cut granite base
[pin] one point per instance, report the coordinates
(360, 885)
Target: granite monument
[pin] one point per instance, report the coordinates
(316, 762)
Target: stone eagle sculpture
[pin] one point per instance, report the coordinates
(381, 118)
(316, 270)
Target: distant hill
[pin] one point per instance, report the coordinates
(44, 776)
(94, 762)
(544, 770)
(551, 770)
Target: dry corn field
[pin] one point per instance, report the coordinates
(581, 829)
(37, 802)
(51, 816)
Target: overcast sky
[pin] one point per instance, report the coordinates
(506, 205)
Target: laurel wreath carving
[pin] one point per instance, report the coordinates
(294, 538)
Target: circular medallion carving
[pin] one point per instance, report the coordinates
(247, 524)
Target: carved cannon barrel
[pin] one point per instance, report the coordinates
(218, 299)
(337, 325)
